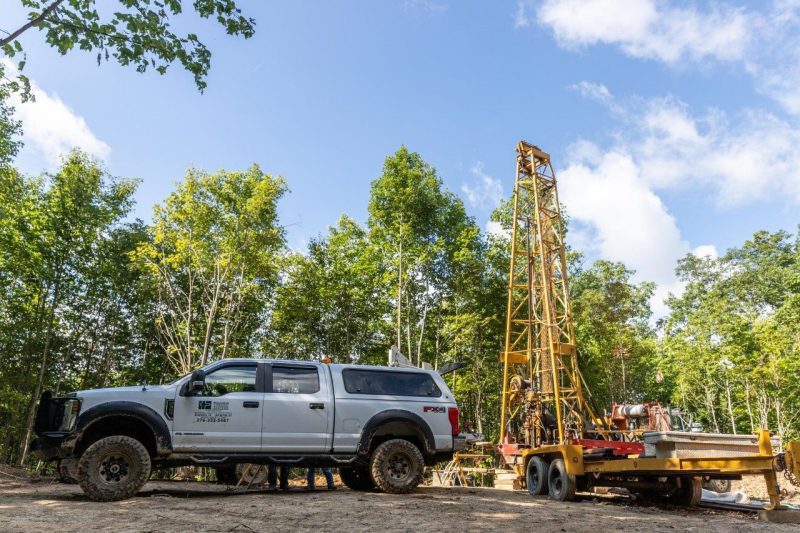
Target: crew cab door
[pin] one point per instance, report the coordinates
(297, 409)
(226, 415)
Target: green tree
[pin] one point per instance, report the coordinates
(130, 32)
(333, 302)
(213, 259)
(732, 336)
(51, 229)
(10, 129)
(430, 243)
(612, 327)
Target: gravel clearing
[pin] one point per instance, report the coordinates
(46, 505)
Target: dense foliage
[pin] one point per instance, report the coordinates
(136, 33)
(90, 298)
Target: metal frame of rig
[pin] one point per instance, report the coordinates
(551, 435)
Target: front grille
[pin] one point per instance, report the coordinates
(56, 414)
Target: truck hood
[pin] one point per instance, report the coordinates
(145, 390)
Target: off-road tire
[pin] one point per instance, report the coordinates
(396, 466)
(718, 485)
(68, 470)
(561, 485)
(689, 493)
(357, 478)
(114, 468)
(536, 476)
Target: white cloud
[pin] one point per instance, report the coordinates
(611, 192)
(706, 250)
(619, 216)
(774, 63)
(496, 229)
(428, 6)
(741, 158)
(649, 29)
(51, 129)
(763, 42)
(487, 193)
(594, 91)
(521, 17)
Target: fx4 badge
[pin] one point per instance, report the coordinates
(433, 409)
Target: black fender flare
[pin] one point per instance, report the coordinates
(423, 430)
(140, 412)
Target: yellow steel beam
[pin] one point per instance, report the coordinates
(754, 464)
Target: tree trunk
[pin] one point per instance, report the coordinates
(409, 353)
(421, 334)
(730, 405)
(210, 318)
(710, 407)
(187, 367)
(399, 295)
(23, 452)
(749, 407)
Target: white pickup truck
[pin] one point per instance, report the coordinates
(380, 426)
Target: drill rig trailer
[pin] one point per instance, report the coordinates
(562, 470)
(550, 434)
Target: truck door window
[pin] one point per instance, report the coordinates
(295, 379)
(230, 379)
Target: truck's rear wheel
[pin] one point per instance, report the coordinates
(537, 476)
(689, 493)
(561, 485)
(356, 478)
(718, 485)
(114, 468)
(68, 470)
(396, 466)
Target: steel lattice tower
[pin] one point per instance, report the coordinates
(540, 372)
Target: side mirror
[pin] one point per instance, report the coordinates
(196, 383)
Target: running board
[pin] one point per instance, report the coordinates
(304, 460)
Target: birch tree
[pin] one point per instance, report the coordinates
(213, 258)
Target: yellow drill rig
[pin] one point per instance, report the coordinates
(551, 435)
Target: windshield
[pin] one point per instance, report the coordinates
(173, 382)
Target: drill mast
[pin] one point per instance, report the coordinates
(543, 396)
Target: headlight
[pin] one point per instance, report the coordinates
(71, 409)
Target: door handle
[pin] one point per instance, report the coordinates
(250, 404)
(316, 406)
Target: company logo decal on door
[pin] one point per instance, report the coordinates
(212, 412)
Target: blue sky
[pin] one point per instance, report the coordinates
(673, 126)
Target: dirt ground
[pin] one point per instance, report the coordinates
(755, 487)
(46, 505)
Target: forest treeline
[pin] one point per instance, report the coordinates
(90, 297)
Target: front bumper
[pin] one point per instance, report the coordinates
(52, 446)
(55, 427)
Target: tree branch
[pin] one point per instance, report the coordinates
(31, 23)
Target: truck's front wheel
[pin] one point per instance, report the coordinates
(113, 468)
(68, 470)
(356, 478)
(396, 466)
